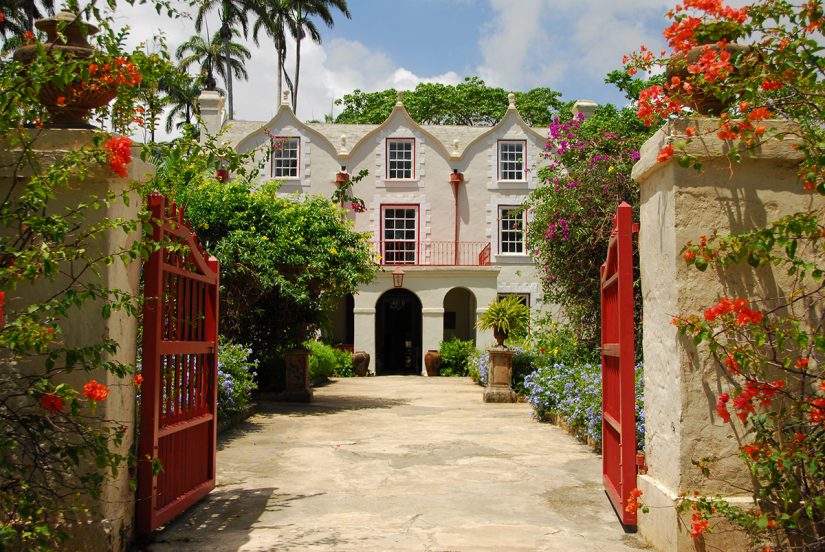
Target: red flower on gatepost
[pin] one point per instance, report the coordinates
(95, 391)
(120, 154)
(52, 403)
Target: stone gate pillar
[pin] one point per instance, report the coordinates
(681, 383)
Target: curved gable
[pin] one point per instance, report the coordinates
(283, 118)
(512, 117)
(399, 117)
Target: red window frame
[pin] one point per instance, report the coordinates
(387, 159)
(297, 159)
(384, 240)
(523, 161)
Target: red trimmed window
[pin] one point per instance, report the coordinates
(285, 157)
(511, 156)
(511, 225)
(400, 158)
(399, 234)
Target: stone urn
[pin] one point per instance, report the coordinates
(68, 104)
(432, 361)
(361, 363)
(706, 103)
(498, 388)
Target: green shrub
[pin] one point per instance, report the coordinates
(455, 357)
(326, 361)
(236, 373)
(524, 362)
(343, 364)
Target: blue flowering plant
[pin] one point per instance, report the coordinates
(574, 392)
(236, 373)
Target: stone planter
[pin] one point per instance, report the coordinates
(498, 388)
(297, 377)
(432, 360)
(75, 101)
(361, 363)
(704, 104)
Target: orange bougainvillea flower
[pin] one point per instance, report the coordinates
(28, 36)
(665, 153)
(759, 114)
(95, 391)
(138, 380)
(51, 403)
(120, 154)
(698, 525)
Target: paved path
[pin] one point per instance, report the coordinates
(400, 463)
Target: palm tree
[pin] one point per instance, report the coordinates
(275, 17)
(182, 93)
(232, 13)
(19, 16)
(302, 10)
(224, 57)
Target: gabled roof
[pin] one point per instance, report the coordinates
(453, 141)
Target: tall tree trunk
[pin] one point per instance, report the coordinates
(280, 75)
(298, 39)
(229, 83)
(297, 73)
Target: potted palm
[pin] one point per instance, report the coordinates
(505, 316)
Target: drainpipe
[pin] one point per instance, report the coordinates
(340, 178)
(456, 178)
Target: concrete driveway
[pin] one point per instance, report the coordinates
(400, 463)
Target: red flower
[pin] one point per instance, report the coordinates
(769, 84)
(633, 503)
(698, 525)
(802, 363)
(759, 113)
(28, 36)
(120, 154)
(665, 153)
(95, 391)
(688, 255)
(51, 403)
(60, 101)
(731, 364)
(748, 316)
(138, 380)
(721, 407)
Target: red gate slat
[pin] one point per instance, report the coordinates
(618, 366)
(178, 418)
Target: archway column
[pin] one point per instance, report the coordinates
(365, 333)
(432, 330)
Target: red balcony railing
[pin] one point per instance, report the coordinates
(433, 253)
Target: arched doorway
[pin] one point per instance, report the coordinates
(398, 333)
(460, 315)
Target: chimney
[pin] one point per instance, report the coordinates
(586, 107)
(211, 104)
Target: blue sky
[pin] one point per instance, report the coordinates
(567, 45)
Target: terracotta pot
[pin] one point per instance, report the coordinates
(702, 103)
(500, 337)
(76, 102)
(361, 363)
(432, 360)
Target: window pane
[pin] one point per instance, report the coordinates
(285, 158)
(511, 160)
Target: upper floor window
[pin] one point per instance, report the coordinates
(511, 224)
(400, 158)
(400, 235)
(511, 160)
(285, 157)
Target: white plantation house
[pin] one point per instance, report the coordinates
(444, 207)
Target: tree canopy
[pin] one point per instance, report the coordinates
(471, 103)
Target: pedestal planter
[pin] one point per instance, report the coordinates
(432, 360)
(69, 103)
(498, 388)
(361, 363)
(297, 377)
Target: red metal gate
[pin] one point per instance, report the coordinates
(618, 360)
(180, 380)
